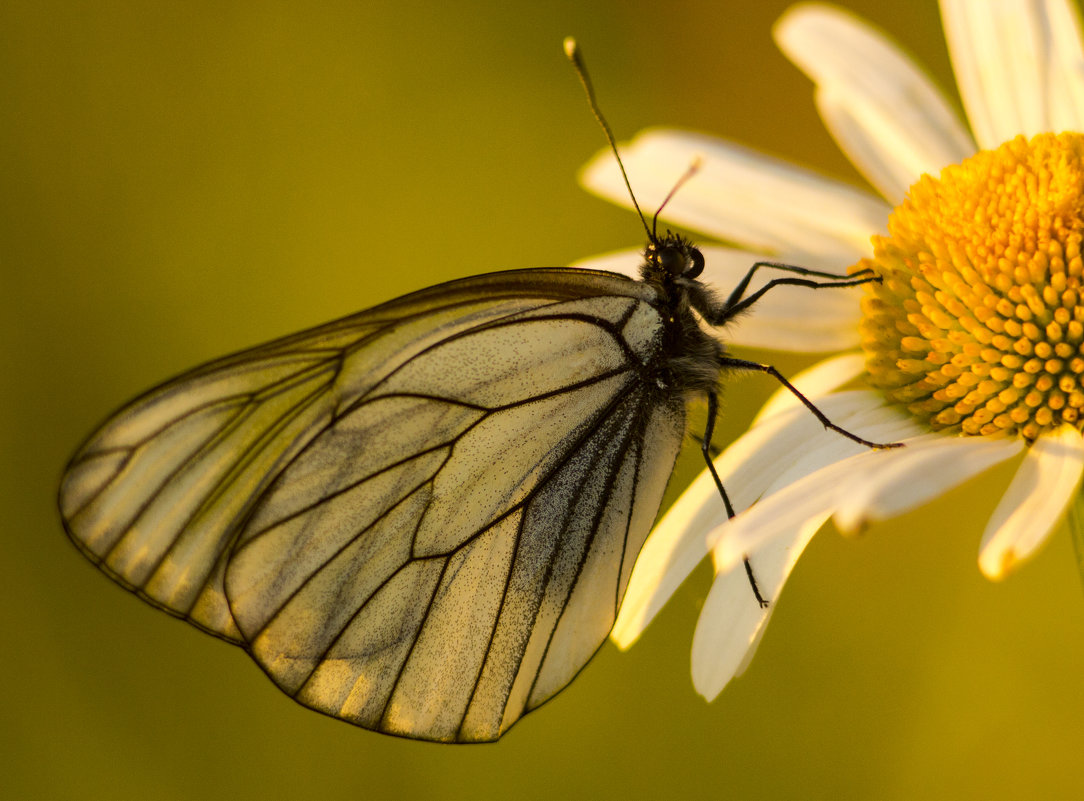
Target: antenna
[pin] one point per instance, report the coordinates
(694, 167)
(572, 50)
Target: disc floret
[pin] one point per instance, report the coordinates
(978, 325)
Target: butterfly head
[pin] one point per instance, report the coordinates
(671, 258)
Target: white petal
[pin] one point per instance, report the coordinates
(820, 379)
(816, 473)
(1018, 65)
(926, 467)
(725, 268)
(747, 468)
(777, 451)
(751, 651)
(732, 620)
(784, 512)
(672, 550)
(743, 196)
(886, 114)
(862, 412)
(800, 320)
(1065, 105)
(799, 443)
(793, 318)
(678, 542)
(1035, 501)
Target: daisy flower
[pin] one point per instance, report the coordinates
(972, 347)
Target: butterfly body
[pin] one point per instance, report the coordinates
(420, 518)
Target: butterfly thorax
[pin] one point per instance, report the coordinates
(691, 353)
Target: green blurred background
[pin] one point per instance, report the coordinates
(182, 180)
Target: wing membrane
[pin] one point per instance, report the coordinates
(155, 500)
(420, 518)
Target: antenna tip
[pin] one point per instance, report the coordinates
(571, 48)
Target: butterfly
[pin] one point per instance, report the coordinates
(420, 518)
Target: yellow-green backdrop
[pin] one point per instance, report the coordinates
(184, 179)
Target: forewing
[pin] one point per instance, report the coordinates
(157, 497)
(452, 548)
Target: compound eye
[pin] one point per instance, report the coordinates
(672, 261)
(698, 263)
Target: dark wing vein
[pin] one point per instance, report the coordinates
(615, 464)
(589, 430)
(329, 495)
(282, 535)
(563, 531)
(243, 413)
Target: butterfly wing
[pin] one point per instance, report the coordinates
(421, 518)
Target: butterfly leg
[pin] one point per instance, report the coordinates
(738, 302)
(742, 364)
(706, 449)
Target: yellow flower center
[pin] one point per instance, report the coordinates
(978, 325)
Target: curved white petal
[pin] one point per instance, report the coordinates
(785, 511)
(751, 464)
(886, 114)
(928, 466)
(877, 423)
(725, 268)
(800, 445)
(732, 621)
(800, 320)
(672, 551)
(782, 449)
(1018, 64)
(742, 196)
(1035, 501)
(678, 542)
(794, 318)
(1065, 106)
(817, 473)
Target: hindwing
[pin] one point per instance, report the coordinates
(420, 518)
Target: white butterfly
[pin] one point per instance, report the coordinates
(420, 518)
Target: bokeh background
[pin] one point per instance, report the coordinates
(181, 180)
